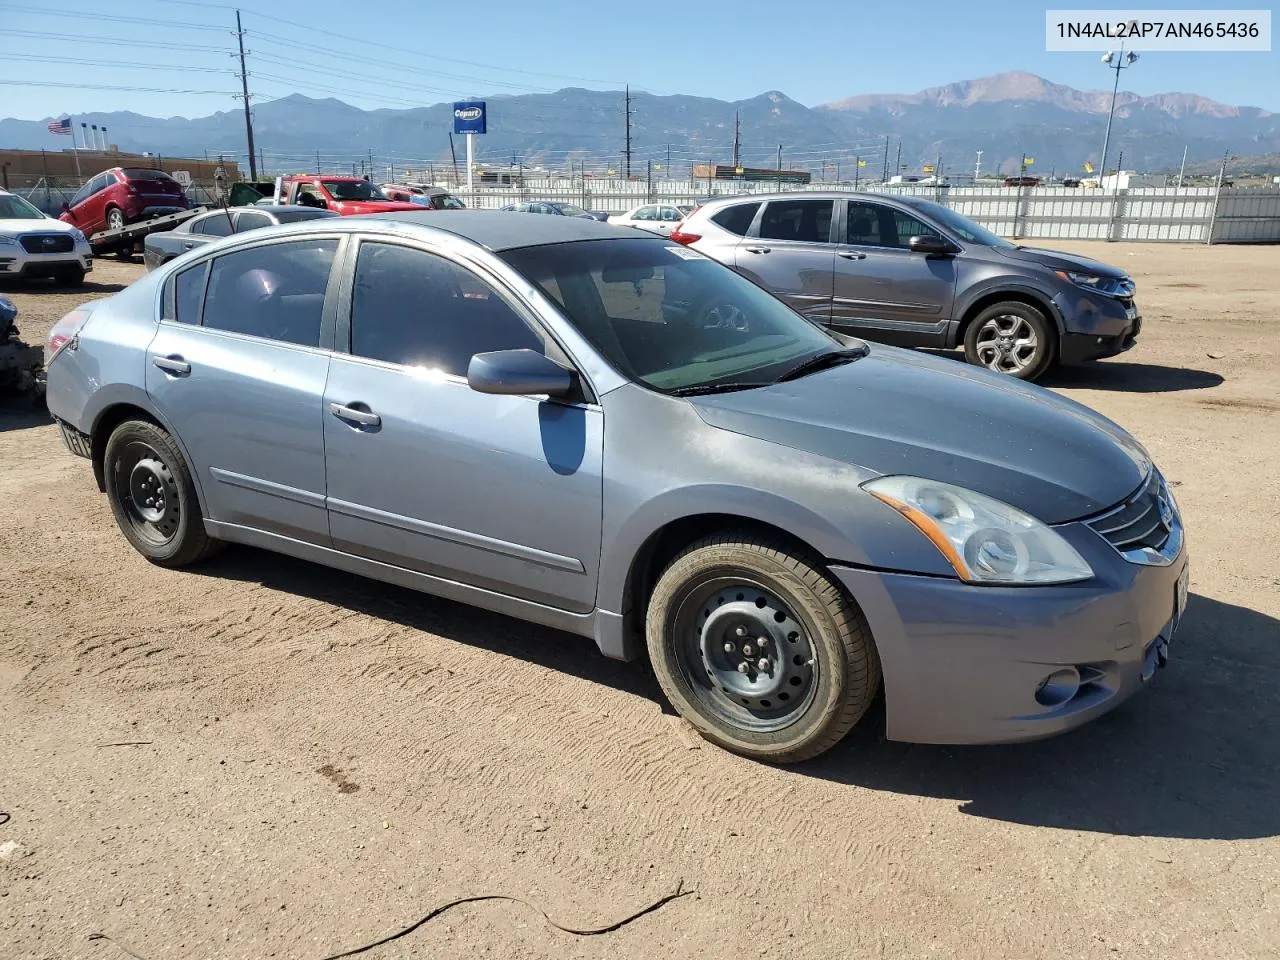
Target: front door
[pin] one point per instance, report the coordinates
(790, 253)
(882, 289)
(499, 492)
(239, 372)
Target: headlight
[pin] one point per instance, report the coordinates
(986, 541)
(77, 235)
(1110, 286)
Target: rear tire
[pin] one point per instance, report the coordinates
(153, 496)
(115, 218)
(783, 700)
(1013, 338)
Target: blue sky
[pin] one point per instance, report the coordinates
(397, 53)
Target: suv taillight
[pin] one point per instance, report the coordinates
(64, 332)
(679, 236)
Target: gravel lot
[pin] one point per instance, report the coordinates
(263, 758)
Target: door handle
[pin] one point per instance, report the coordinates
(852, 255)
(172, 364)
(758, 249)
(363, 417)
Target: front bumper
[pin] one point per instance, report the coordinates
(18, 263)
(963, 663)
(1095, 326)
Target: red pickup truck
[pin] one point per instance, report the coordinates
(345, 195)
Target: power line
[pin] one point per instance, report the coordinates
(96, 86)
(113, 41)
(116, 64)
(113, 18)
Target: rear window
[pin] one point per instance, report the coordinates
(143, 173)
(736, 219)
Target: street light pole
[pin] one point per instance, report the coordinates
(1116, 63)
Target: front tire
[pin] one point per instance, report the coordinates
(1013, 338)
(758, 648)
(70, 277)
(153, 496)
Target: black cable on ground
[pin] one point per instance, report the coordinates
(580, 932)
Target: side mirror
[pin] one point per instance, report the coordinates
(322, 204)
(930, 246)
(519, 372)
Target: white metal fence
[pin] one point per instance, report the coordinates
(1187, 215)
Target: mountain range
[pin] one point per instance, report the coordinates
(1005, 116)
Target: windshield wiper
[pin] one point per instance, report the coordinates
(702, 389)
(831, 359)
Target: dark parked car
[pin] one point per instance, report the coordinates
(123, 195)
(914, 273)
(547, 417)
(433, 198)
(555, 208)
(160, 248)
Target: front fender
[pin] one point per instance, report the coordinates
(1011, 285)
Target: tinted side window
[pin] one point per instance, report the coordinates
(217, 225)
(417, 309)
(906, 226)
(251, 221)
(863, 225)
(274, 291)
(804, 220)
(188, 289)
(81, 194)
(737, 219)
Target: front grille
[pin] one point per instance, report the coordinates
(47, 243)
(1143, 520)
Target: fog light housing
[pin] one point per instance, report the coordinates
(1058, 687)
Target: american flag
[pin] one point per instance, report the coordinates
(60, 126)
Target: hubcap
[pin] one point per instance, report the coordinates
(748, 659)
(148, 493)
(1007, 344)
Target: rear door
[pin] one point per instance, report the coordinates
(790, 251)
(882, 288)
(238, 367)
(499, 492)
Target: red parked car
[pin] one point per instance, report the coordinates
(344, 195)
(123, 195)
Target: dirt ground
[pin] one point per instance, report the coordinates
(263, 758)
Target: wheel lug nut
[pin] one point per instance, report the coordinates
(764, 664)
(740, 632)
(729, 647)
(746, 650)
(762, 642)
(742, 667)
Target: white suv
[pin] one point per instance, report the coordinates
(35, 245)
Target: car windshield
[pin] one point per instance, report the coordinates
(962, 226)
(15, 208)
(447, 201)
(671, 318)
(353, 190)
(568, 209)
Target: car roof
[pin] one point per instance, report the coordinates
(902, 198)
(497, 230)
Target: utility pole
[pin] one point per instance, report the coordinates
(857, 162)
(779, 166)
(977, 168)
(454, 153)
(628, 118)
(1117, 64)
(649, 182)
(370, 174)
(317, 163)
(884, 174)
(897, 162)
(1182, 169)
(244, 90)
(1217, 196)
(737, 141)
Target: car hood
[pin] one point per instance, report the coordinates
(47, 225)
(352, 207)
(1055, 260)
(897, 412)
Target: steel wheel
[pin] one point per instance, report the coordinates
(1007, 344)
(744, 654)
(148, 493)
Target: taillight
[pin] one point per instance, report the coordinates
(679, 236)
(64, 332)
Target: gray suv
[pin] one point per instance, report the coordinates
(914, 273)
